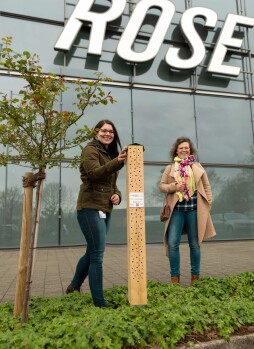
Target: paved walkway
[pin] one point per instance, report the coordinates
(54, 267)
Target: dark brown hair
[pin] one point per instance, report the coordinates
(113, 146)
(173, 150)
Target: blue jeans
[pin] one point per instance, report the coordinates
(94, 229)
(178, 220)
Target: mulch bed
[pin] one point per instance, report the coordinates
(213, 335)
(198, 338)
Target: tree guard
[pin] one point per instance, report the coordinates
(24, 243)
(24, 268)
(137, 283)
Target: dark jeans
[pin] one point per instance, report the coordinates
(178, 220)
(94, 229)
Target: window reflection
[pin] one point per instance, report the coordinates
(221, 127)
(222, 8)
(44, 47)
(48, 234)
(158, 72)
(11, 204)
(233, 219)
(159, 118)
(223, 83)
(250, 13)
(232, 211)
(71, 233)
(50, 10)
(118, 112)
(228, 122)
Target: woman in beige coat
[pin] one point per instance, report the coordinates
(189, 197)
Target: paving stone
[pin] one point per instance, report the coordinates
(54, 267)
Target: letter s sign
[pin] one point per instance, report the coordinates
(125, 50)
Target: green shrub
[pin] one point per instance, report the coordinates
(173, 312)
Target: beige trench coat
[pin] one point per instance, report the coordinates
(204, 200)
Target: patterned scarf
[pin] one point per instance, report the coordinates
(183, 173)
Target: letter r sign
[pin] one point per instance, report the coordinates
(99, 21)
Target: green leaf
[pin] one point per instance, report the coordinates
(34, 128)
(173, 314)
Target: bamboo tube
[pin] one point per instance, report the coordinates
(137, 283)
(24, 247)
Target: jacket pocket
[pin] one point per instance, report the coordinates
(102, 189)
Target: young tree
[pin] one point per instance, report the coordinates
(35, 130)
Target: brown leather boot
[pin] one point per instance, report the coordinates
(193, 278)
(175, 279)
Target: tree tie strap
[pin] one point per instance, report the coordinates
(31, 180)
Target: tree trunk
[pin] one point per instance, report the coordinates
(24, 248)
(32, 245)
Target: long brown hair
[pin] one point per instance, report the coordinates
(113, 146)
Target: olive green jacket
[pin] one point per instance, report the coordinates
(98, 174)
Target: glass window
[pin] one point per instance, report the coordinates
(159, 118)
(11, 205)
(11, 86)
(158, 72)
(48, 234)
(153, 203)
(251, 35)
(23, 40)
(224, 129)
(41, 8)
(118, 113)
(249, 77)
(249, 9)
(77, 62)
(98, 5)
(151, 19)
(69, 7)
(3, 177)
(179, 5)
(222, 8)
(4, 220)
(70, 230)
(232, 218)
(224, 83)
(118, 226)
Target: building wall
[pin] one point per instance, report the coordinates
(155, 105)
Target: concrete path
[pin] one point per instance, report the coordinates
(54, 267)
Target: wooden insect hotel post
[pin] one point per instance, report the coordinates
(137, 283)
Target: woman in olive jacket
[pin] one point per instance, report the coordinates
(189, 197)
(100, 163)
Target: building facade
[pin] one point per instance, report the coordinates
(180, 67)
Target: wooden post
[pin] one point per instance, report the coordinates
(137, 283)
(24, 247)
(39, 177)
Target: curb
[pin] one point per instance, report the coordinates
(235, 342)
